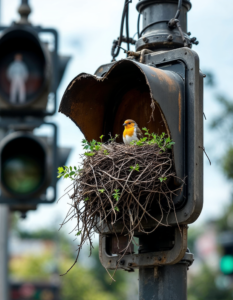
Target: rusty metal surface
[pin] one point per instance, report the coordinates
(99, 105)
(145, 260)
(118, 245)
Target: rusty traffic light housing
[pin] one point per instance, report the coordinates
(168, 87)
(160, 86)
(172, 84)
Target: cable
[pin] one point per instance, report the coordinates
(178, 9)
(138, 25)
(153, 24)
(127, 27)
(117, 43)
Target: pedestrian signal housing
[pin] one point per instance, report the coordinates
(28, 72)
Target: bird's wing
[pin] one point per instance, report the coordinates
(139, 133)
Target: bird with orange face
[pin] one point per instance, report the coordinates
(131, 132)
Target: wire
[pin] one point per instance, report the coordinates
(153, 24)
(127, 27)
(138, 24)
(178, 9)
(117, 44)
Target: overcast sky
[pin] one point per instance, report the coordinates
(87, 29)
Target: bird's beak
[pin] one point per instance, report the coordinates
(124, 124)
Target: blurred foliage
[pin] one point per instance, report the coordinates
(224, 119)
(225, 222)
(204, 286)
(210, 80)
(87, 281)
(208, 283)
(80, 283)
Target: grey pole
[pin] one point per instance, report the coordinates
(4, 225)
(157, 33)
(164, 283)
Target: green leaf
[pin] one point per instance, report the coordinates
(78, 233)
(59, 176)
(70, 168)
(86, 199)
(60, 170)
(72, 173)
(66, 176)
(101, 137)
(101, 191)
(75, 168)
(89, 153)
(116, 208)
(162, 179)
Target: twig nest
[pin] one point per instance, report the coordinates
(123, 182)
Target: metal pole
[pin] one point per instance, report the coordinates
(165, 282)
(4, 224)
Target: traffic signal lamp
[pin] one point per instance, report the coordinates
(28, 164)
(25, 72)
(226, 260)
(30, 73)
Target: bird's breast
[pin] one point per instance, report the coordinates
(129, 135)
(128, 132)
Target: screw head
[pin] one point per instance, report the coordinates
(170, 38)
(145, 40)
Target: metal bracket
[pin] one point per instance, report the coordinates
(145, 260)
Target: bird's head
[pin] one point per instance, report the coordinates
(129, 124)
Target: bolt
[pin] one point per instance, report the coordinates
(159, 259)
(189, 33)
(130, 264)
(145, 40)
(169, 37)
(185, 214)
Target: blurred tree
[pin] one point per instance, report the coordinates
(204, 286)
(87, 281)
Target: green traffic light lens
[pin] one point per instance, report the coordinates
(22, 174)
(226, 264)
(23, 164)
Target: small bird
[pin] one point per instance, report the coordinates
(131, 132)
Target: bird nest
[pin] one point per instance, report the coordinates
(120, 183)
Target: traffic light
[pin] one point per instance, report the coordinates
(30, 73)
(226, 260)
(160, 86)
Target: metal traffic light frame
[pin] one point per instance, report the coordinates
(176, 86)
(52, 61)
(28, 126)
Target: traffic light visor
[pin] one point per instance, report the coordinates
(154, 98)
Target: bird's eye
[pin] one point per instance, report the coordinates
(129, 123)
